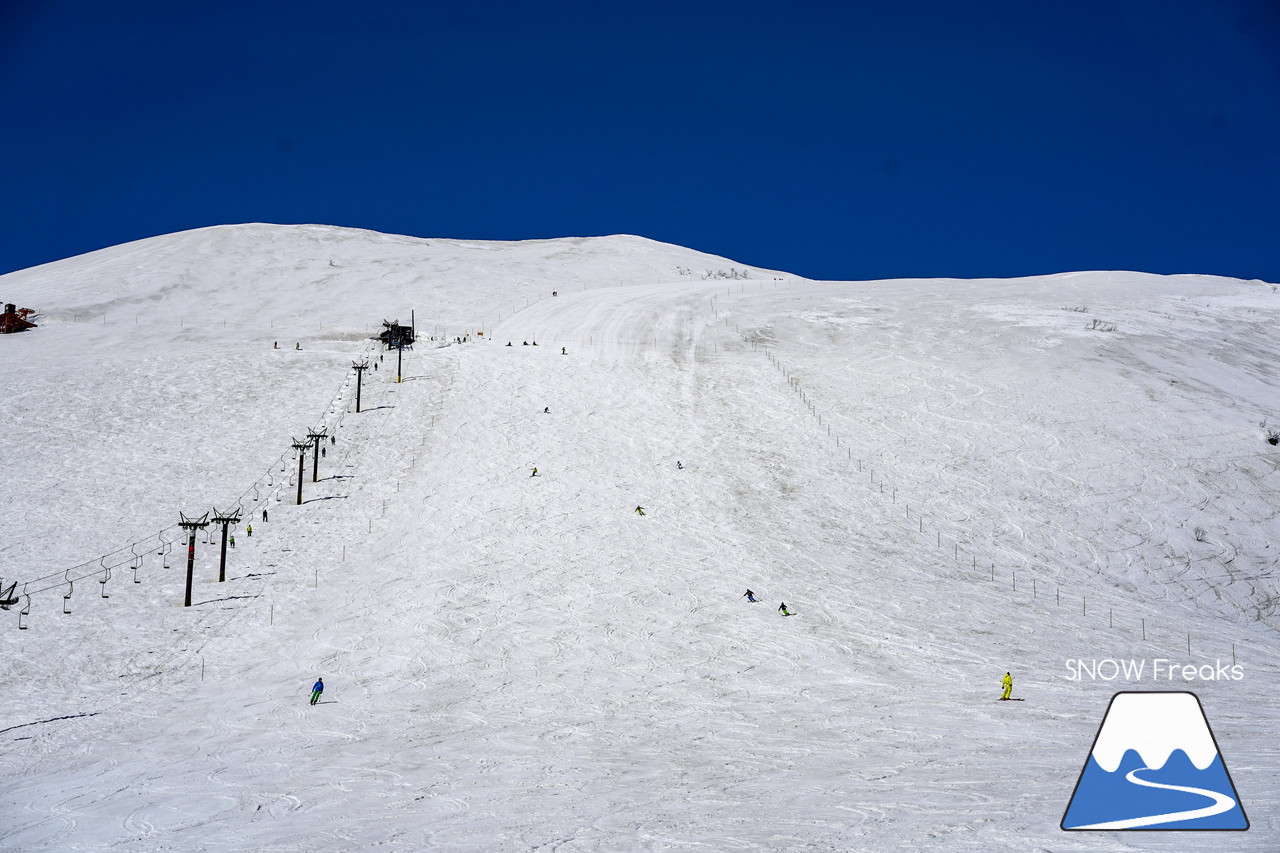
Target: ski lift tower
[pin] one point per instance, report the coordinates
(191, 525)
(360, 368)
(301, 447)
(225, 519)
(315, 457)
(397, 337)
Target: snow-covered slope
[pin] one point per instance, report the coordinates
(944, 480)
(172, 337)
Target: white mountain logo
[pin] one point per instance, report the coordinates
(1154, 765)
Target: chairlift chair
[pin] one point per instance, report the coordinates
(106, 576)
(66, 599)
(22, 615)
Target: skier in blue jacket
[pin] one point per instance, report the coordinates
(316, 690)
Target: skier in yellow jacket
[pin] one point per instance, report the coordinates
(1007, 681)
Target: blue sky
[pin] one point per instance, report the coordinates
(843, 140)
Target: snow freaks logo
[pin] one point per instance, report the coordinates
(1160, 669)
(1154, 765)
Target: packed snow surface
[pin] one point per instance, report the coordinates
(944, 480)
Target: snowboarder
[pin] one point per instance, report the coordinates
(1007, 681)
(264, 513)
(782, 608)
(535, 343)
(639, 510)
(298, 345)
(751, 596)
(316, 690)
(524, 343)
(248, 530)
(508, 343)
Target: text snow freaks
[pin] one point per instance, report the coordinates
(1110, 669)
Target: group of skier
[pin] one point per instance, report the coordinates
(318, 688)
(782, 608)
(563, 350)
